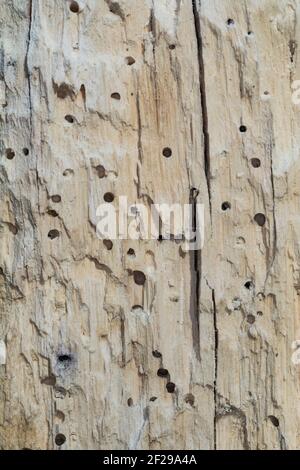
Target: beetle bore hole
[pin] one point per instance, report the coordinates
(56, 198)
(52, 212)
(131, 252)
(130, 60)
(225, 206)
(260, 219)
(10, 154)
(190, 399)
(153, 398)
(167, 152)
(130, 401)
(243, 128)
(274, 420)
(250, 318)
(249, 285)
(108, 197)
(156, 353)
(255, 162)
(25, 151)
(74, 7)
(100, 171)
(139, 278)
(230, 22)
(162, 372)
(69, 118)
(115, 96)
(60, 439)
(108, 244)
(53, 234)
(170, 387)
(64, 358)
(172, 47)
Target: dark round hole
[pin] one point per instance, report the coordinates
(130, 60)
(25, 151)
(131, 252)
(260, 219)
(64, 358)
(170, 387)
(60, 439)
(10, 154)
(74, 7)
(255, 162)
(69, 118)
(250, 318)
(108, 197)
(116, 96)
(100, 171)
(108, 244)
(230, 22)
(225, 206)
(172, 47)
(53, 234)
(167, 152)
(274, 420)
(52, 212)
(130, 401)
(156, 353)
(139, 278)
(260, 313)
(162, 372)
(243, 128)
(153, 398)
(137, 307)
(56, 198)
(249, 285)
(190, 399)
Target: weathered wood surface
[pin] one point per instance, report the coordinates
(225, 318)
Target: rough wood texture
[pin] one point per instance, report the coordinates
(76, 357)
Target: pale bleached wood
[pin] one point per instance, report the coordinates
(195, 79)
